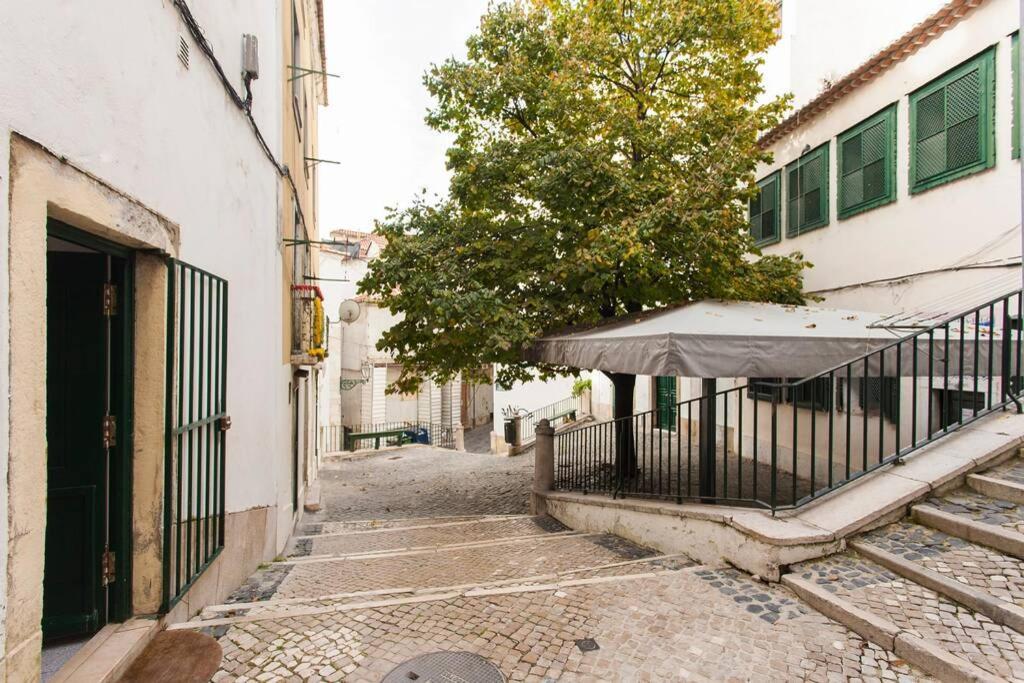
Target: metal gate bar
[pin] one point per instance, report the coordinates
(196, 420)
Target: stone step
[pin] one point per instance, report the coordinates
(1005, 482)
(977, 518)
(944, 638)
(377, 524)
(424, 536)
(628, 570)
(976, 576)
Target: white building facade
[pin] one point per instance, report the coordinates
(146, 311)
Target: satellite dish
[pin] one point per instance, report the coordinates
(348, 311)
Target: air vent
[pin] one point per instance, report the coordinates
(183, 53)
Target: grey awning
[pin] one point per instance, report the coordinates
(745, 339)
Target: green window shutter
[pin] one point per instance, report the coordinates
(807, 192)
(764, 211)
(867, 164)
(951, 124)
(1015, 70)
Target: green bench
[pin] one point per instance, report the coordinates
(353, 438)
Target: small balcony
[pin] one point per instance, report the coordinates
(309, 326)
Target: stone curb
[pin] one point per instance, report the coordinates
(394, 529)
(1003, 540)
(996, 488)
(925, 655)
(999, 611)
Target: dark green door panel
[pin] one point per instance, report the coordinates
(665, 401)
(76, 375)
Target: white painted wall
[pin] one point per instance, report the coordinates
(100, 84)
(971, 220)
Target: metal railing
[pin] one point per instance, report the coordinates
(779, 444)
(196, 421)
(525, 425)
(340, 437)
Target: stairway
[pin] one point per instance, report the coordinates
(944, 588)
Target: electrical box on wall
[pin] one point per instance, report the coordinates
(250, 57)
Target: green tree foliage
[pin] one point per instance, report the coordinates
(603, 154)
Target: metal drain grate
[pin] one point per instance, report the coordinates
(446, 667)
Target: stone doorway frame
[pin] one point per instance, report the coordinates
(45, 185)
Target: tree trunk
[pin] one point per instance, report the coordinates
(625, 446)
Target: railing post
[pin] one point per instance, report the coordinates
(708, 439)
(518, 442)
(460, 437)
(543, 467)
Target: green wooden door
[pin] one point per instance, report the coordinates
(665, 401)
(76, 385)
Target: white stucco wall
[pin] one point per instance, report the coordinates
(100, 84)
(970, 220)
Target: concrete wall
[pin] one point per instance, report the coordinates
(100, 85)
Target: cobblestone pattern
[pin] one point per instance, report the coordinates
(963, 632)
(975, 565)
(375, 524)
(424, 482)
(430, 537)
(469, 565)
(982, 509)
(674, 627)
(753, 596)
(1011, 470)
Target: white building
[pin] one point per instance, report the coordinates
(146, 310)
(358, 375)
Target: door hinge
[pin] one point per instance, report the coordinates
(109, 427)
(109, 299)
(109, 568)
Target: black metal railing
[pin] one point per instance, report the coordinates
(556, 413)
(779, 443)
(355, 437)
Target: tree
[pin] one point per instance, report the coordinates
(603, 154)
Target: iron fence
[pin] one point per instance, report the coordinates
(559, 411)
(780, 443)
(196, 417)
(353, 437)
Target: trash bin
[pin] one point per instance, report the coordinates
(510, 431)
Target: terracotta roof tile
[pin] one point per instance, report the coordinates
(919, 36)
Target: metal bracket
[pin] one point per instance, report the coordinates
(109, 430)
(109, 299)
(108, 569)
(303, 72)
(224, 423)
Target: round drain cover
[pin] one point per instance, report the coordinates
(446, 667)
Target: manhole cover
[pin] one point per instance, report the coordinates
(446, 667)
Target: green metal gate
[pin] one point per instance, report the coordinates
(196, 414)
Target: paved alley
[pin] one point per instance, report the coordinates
(419, 551)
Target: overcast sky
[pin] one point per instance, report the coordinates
(374, 123)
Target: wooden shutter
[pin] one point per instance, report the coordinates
(951, 124)
(764, 211)
(867, 164)
(807, 192)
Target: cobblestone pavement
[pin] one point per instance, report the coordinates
(540, 603)
(982, 509)
(1012, 470)
(975, 565)
(963, 632)
(424, 482)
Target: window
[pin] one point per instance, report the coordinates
(951, 126)
(880, 393)
(867, 164)
(764, 211)
(815, 393)
(807, 192)
(294, 73)
(758, 391)
(1015, 71)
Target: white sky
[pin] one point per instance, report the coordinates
(374, 123)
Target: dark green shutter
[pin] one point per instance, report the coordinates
(951, 124)
(807, 192)
(867, 164)
(764, 211)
